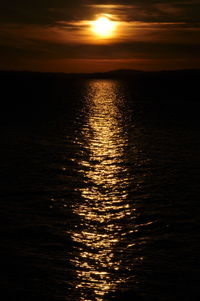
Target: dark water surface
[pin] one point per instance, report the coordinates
(100, 199)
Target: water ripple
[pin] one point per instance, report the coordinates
(108, 217)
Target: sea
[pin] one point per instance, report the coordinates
(100, 185)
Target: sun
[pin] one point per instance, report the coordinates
(103, 27)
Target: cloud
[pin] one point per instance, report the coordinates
(148, 42)
(40, 11)
(59, 29)
(51, 11)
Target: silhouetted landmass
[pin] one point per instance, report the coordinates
(35, 96)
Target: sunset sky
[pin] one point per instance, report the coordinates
(59, 35)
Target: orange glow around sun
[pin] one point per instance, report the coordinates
(103, 27)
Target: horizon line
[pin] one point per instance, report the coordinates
(101, 72)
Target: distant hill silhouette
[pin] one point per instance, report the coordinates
(111, 73)
(119, 73)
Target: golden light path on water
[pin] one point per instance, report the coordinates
(104, 196)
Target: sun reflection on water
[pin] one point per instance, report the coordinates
(104, 196)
